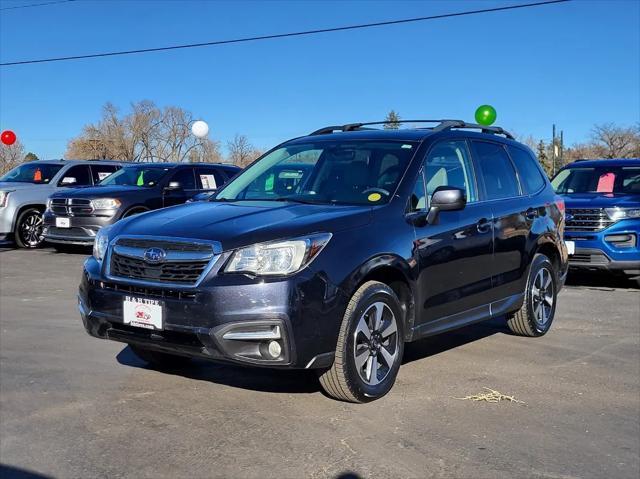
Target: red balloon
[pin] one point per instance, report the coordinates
(8, 137)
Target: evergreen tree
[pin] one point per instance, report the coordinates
(392, 121)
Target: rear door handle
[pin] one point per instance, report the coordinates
(483, 225)
(531, 213)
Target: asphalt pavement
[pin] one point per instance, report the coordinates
(72, 406)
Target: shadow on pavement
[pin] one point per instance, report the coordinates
(12, 472)
(592, 279)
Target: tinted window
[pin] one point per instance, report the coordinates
(530, 175)
(77, 176)
(449, 164)
(100, 172)
(32, 173)
(418, 198)
(185, 178)
(630, 181)
(599, 179)
(209, 178)
(141, 176)
(497, 170)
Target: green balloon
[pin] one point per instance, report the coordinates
(486, 115)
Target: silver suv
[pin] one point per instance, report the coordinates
(24, 191)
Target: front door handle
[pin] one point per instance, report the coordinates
(531, 214)
(483, 225)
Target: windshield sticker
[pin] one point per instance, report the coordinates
(208, 182)
(373, 197)
(407, 146)
(103, 174)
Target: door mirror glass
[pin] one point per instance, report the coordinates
(446, 198)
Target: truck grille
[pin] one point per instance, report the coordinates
(183, 264)
(71, 206)
(587, 219)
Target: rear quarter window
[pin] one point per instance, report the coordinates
(531, 177)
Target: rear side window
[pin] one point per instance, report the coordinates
(100, 172)
(497, 171)
(209, 178)
(185, 178)
(530, 175)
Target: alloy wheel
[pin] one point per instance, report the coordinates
(542, 297)
(31, 230)
(375, 343)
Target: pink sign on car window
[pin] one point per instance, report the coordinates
(605, 183)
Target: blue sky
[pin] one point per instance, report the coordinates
(574, 64)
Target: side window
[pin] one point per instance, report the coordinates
(497, 170)
(185, 178)
(449, 164)
(418, 199)
(209, 178)
(530, 175)
(100, 172)
(79, 175)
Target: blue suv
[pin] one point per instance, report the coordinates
(602, 199)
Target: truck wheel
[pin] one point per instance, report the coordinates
(29, 229)
(535, 316)
(370, 346)
(159, 359)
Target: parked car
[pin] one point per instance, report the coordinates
(74, 217)
(602, 230)
(392, 235)
(24, 191)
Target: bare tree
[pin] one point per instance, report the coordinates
(10, 156)
(241, 151)
(616, 142)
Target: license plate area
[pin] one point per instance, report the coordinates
(571, 247)
(63, 222)
(143, 312)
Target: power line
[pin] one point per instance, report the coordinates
(37, 4)
(282, 35)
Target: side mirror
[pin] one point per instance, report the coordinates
(174, 186)
(445, 198)
(69, 180)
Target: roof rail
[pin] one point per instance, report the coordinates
(442, 125)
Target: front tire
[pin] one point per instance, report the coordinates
(535, 316)
(369, 348)
(29, 229)
(159, 359)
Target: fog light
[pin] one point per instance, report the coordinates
(621, 240)
(274, 349)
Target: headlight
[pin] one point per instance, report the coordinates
(622, 213)
(278, 257)
(105, 204)
(101, 243)
(4, 196)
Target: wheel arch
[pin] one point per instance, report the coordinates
(135, 208)
(23, 208)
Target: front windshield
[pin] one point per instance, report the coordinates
(37, 173)
(335, 172)
(141, 176)
(624, 180)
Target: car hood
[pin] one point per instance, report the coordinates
(600, 200)
(242, 223)
(91, 192)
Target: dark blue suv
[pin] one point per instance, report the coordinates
(334, 249)
(602, 199)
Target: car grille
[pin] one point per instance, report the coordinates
(71, 206)
(184, 264)
(587, 219)
(68, 232)
(589, 258)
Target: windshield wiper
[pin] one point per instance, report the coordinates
(297, 200)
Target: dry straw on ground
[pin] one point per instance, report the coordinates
(491, 396)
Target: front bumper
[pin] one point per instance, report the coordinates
(596, 251)
(306, 308)
(81, 231)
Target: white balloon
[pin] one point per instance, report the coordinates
(199, 129)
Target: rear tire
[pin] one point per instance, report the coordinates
(535, 316)
(369, 348)
(159, 359)
(29, 229)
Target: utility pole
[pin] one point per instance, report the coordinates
(553, 149)
(561, 148)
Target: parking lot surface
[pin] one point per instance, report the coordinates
(75, 406)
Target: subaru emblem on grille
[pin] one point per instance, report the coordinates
(154, 255)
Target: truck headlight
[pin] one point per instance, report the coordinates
(4, 197)
(622, 213)
(277, 257)
(101, 243)
(105, 204)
